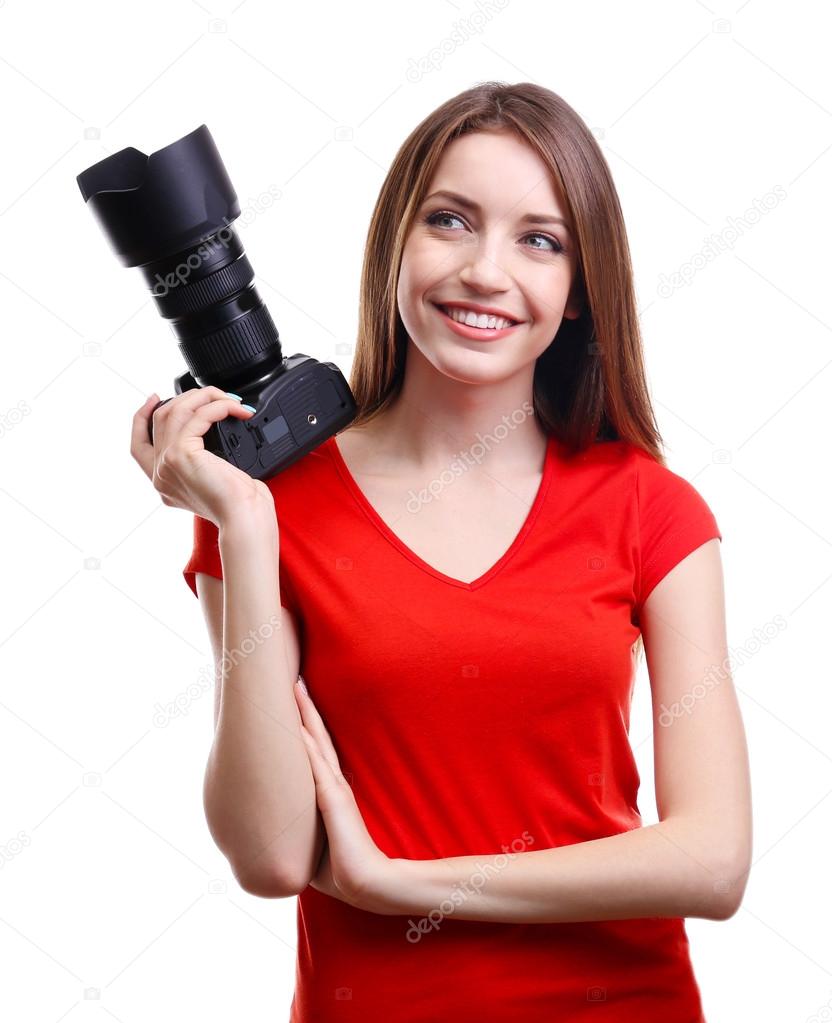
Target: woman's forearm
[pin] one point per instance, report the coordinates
(259, 791)
(667, 869)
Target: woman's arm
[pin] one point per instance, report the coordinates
(662, 870)
(259, 792)
(694, 862)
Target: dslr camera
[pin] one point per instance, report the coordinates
(171, 214)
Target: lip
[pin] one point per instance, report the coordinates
(475, 333)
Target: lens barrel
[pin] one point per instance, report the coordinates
(226, 334)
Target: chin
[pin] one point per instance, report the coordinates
(465, 364)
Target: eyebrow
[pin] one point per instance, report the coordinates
(529, 218)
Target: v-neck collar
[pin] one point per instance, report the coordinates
(374, 517)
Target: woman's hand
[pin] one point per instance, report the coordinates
(177, 462)
(352, 867)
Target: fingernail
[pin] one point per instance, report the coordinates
(236, 397)
(249, 408)
(302, 684)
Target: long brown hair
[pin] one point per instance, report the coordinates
(589, 384)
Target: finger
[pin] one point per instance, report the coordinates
(314, 722)
(312, 717)
(194, 397)
(196, 423)
(179, 410)
(325, 777)
(140, 447)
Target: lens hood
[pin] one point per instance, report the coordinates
(155, 206)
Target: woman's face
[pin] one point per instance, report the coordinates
(488, 254)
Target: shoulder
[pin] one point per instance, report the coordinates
(608, 466)
(664, 515)
(295, 480)
(662, 492)
(637, 471)
(307, 496)
(673, 517)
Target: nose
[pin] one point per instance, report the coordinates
(482, 272)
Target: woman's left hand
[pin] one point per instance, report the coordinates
(352, 867)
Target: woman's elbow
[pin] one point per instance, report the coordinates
(728, 888)
(290, 876)
(274, 884)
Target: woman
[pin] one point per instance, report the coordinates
(466, 574)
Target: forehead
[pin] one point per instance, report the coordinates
(499, 171)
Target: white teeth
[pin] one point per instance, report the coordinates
(473, 319)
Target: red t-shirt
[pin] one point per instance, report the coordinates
(473, 716)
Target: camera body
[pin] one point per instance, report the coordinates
(297, 411)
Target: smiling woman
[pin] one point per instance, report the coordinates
(471, 567)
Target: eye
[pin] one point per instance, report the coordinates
(556, 245)
(432, 217)
(433, 220)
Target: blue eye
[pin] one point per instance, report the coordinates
(556, 245)
(432, 219)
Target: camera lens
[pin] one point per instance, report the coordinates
(170, 214)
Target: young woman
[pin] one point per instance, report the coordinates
(466, 574)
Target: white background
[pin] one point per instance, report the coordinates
(716, 121)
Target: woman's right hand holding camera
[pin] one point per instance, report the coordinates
(178, 464)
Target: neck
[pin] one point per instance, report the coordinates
(436, 418)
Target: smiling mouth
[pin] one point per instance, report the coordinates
(447, 312)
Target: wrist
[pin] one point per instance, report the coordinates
(252, 521)
(392, 893)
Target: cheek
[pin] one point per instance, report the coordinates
(419, 263)
(421, 271)
(548, 290)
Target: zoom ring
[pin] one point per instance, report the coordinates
(235, 344)
(188, 298)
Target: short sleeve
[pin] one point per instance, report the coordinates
(205, 557)
(205, 554)
(674, 519)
